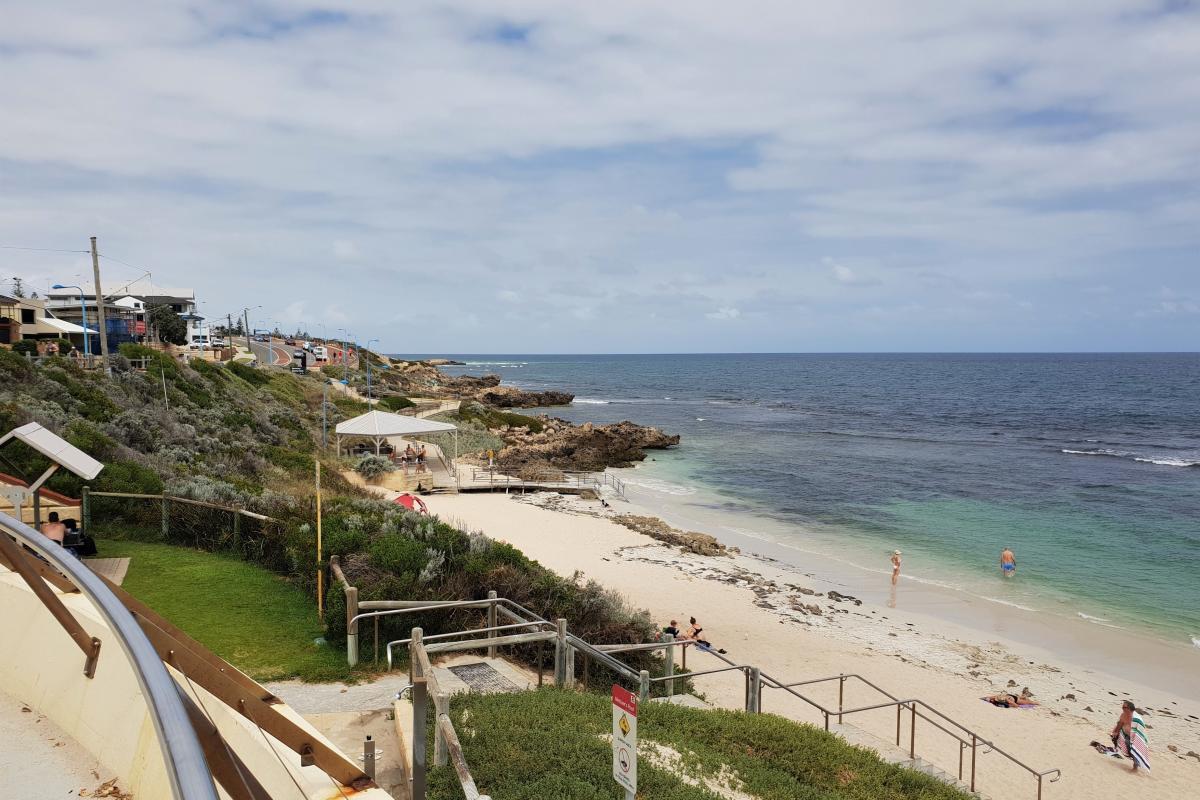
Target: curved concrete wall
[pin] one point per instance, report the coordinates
(106, 715)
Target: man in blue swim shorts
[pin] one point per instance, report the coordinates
(1008, 563)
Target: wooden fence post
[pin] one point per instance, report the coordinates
(643, 686)
(166, 514)
(670, 651)
(441, 753)
(85, 511)
(754, 692)
(560, 654)
(492, 621)
(420, 697)
(351, 627)
(237, 531)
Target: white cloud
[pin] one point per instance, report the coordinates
(399, 159)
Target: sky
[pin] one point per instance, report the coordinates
(626, 176)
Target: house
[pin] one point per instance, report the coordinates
(10, 320)
(132, 303)
(39, 322)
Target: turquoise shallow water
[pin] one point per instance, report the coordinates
(1087, 465)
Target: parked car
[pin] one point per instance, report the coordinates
(290, 342)
(198, 342)
(320, 353)
(217, 343)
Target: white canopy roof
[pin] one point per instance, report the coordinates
(382, 423)
(57, 449)
(63, 326)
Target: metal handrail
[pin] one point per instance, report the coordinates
(755, 681)
(186, 767)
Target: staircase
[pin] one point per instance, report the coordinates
(892, 754)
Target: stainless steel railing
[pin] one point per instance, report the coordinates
(186, 767)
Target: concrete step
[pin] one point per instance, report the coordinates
(892, 754)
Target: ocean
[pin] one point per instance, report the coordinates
(1087, 465)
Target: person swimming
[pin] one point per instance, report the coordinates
(1008, 562)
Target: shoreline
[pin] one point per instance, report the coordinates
(1071, 637)
(762, 611)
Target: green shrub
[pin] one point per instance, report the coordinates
(289, 460)
(372, 467)
(25, 346)
(395, 402)
(251, 375)
(14, 366)
(399, 555)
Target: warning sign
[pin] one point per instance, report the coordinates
(624, 738)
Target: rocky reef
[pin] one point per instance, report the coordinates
(560, 446)
(688, 541)
(512, 397)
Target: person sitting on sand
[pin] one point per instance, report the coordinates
(696, 634)
(672, 629)
(1008, 562)
(895, 566)
(1010, 700)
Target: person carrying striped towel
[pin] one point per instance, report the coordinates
(1129, 737)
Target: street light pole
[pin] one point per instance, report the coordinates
(360, 358)
(87, 342)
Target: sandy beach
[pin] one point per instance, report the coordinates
(782, 620)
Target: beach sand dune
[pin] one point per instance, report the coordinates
(749, 607)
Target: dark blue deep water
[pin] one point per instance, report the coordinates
(1087, 465)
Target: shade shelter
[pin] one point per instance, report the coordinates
(59, 451)
(379, 426)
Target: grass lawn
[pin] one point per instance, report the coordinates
(250, 617)
(550, 743)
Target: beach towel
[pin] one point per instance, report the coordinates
(1135, 744)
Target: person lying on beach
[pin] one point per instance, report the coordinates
(1010, 700)
(1008, 562)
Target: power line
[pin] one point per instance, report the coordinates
(41, 249)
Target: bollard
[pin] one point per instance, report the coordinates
(754, 695)
(369, 757)
(643, 686)
(492, 621)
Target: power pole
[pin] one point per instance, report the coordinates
(100, 311)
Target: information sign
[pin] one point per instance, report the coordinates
(624, 739)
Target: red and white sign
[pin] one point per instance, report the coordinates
(624, 738)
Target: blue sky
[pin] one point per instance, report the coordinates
(626, 176)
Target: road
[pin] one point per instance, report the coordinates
(276, 354)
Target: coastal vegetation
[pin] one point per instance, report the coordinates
(248, 438)
(555, 744)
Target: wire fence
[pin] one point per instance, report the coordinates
(213, 527)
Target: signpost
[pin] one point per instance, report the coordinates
(624, 740)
